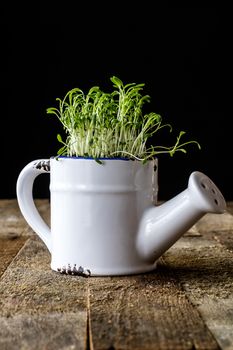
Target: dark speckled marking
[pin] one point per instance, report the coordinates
(45, 165)
(69, 270)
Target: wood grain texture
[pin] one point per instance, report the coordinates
(204, 264)
(9, 247)
(148, 311)
(186, 303)
(47, 309)
(11, 228)
(230, 207)
(13, 224)
(14, 229)
(43, 332)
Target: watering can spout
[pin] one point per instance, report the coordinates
(163, 225)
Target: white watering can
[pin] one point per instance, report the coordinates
(104, 217)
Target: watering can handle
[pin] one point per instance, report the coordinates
(24, 191)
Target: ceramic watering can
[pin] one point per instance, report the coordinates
(104, 217)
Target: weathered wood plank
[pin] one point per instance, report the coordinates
(124, 330)
(214, 223)
(192, 289)
(13, 224)
(50, 332)
(33, 296)
(13, 227)
(203, 264)
(230, 207)
(225, 238)
(148, 311)
(9, 247)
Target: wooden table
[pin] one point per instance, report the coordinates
(186, 303)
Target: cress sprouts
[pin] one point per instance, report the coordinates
(109, 125)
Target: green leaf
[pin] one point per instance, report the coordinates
(99, 124)
(59, 138)
(61, 151)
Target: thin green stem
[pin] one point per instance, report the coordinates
(101, 124)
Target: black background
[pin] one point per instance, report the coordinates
(181, 54)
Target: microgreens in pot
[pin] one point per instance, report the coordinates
(111, 124)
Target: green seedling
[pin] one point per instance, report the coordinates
(112, 125)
